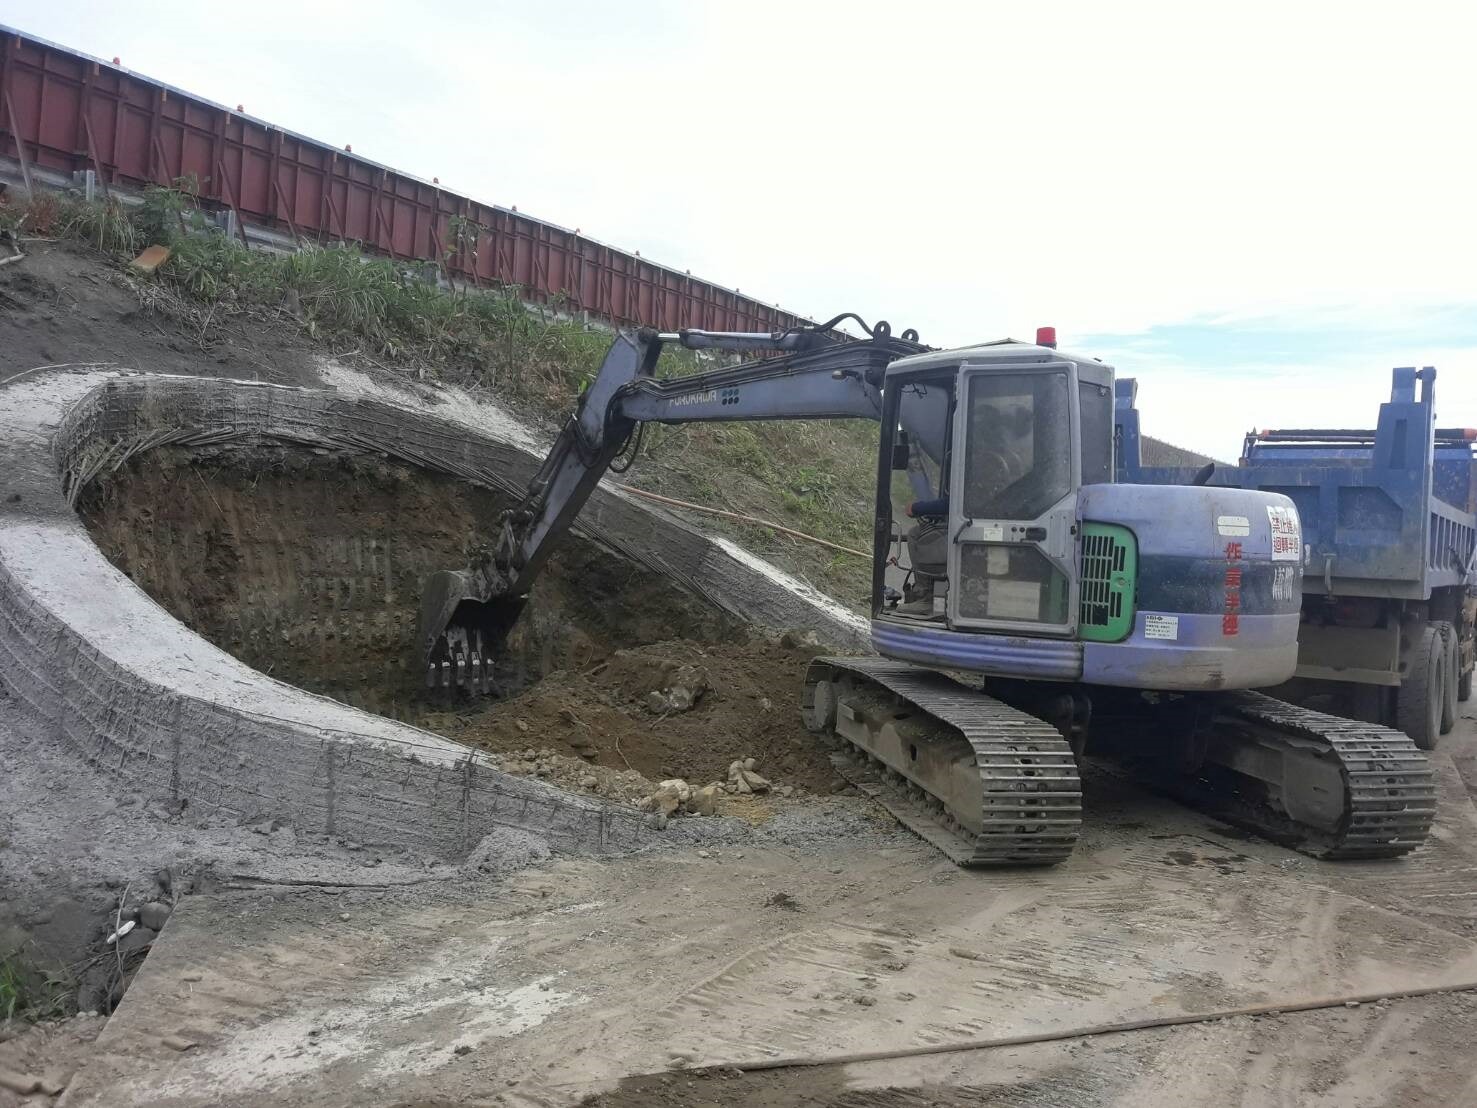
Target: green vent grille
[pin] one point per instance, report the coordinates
(1109, 569)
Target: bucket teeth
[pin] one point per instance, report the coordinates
(463, 665)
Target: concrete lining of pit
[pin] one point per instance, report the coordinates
(99, 666)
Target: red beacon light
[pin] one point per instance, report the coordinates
(1046, 336)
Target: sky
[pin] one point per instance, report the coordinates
(1256, 209)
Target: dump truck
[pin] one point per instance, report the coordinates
(1389, 551)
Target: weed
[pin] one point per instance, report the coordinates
(106, 224)
(29, 992)
(161, 217)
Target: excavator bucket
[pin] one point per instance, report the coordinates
(459, 632)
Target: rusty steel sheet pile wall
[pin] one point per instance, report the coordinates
(65, 112)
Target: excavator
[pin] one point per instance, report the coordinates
(1022, 601)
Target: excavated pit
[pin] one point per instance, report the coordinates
(307, 565)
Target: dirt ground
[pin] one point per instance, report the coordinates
(65, 305)
(663, 979)
(600, 713)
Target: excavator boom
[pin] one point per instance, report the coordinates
(808, 373)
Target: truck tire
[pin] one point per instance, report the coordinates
(1464, 680)
(1418, 702)
(1448, 681)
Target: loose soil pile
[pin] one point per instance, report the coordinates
(600, 714)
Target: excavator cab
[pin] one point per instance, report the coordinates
(983, 507)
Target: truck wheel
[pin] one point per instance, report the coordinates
(1418, 703)
(1464, 681)
(1448, 681)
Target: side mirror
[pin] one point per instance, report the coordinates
(902, 451)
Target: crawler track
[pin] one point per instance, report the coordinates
(1389, 791)
(991, 785)
(985, 783)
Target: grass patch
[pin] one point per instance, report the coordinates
(814, 476)
(28, 992)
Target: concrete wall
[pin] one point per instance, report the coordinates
(100, 666)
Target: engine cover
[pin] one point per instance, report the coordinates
(1218, 587)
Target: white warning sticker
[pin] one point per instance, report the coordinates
(1161, 627)
(1287, 533)
(1234, 526)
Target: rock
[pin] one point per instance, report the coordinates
(520, 724)
(657, 820)
(462, 1049)
(669, 796)
(154, 914)
(137, 939)
(704, 801)
(743, 780)
(681, 691)
(175, 1042)
(800, 639)
(505, 850)
(155, 256)
(786, 790)
(704, 854)
(589, 782)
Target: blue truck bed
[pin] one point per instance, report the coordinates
(1389, 527)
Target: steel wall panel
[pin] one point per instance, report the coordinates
(72, 112)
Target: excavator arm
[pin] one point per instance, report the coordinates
(808, 374)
